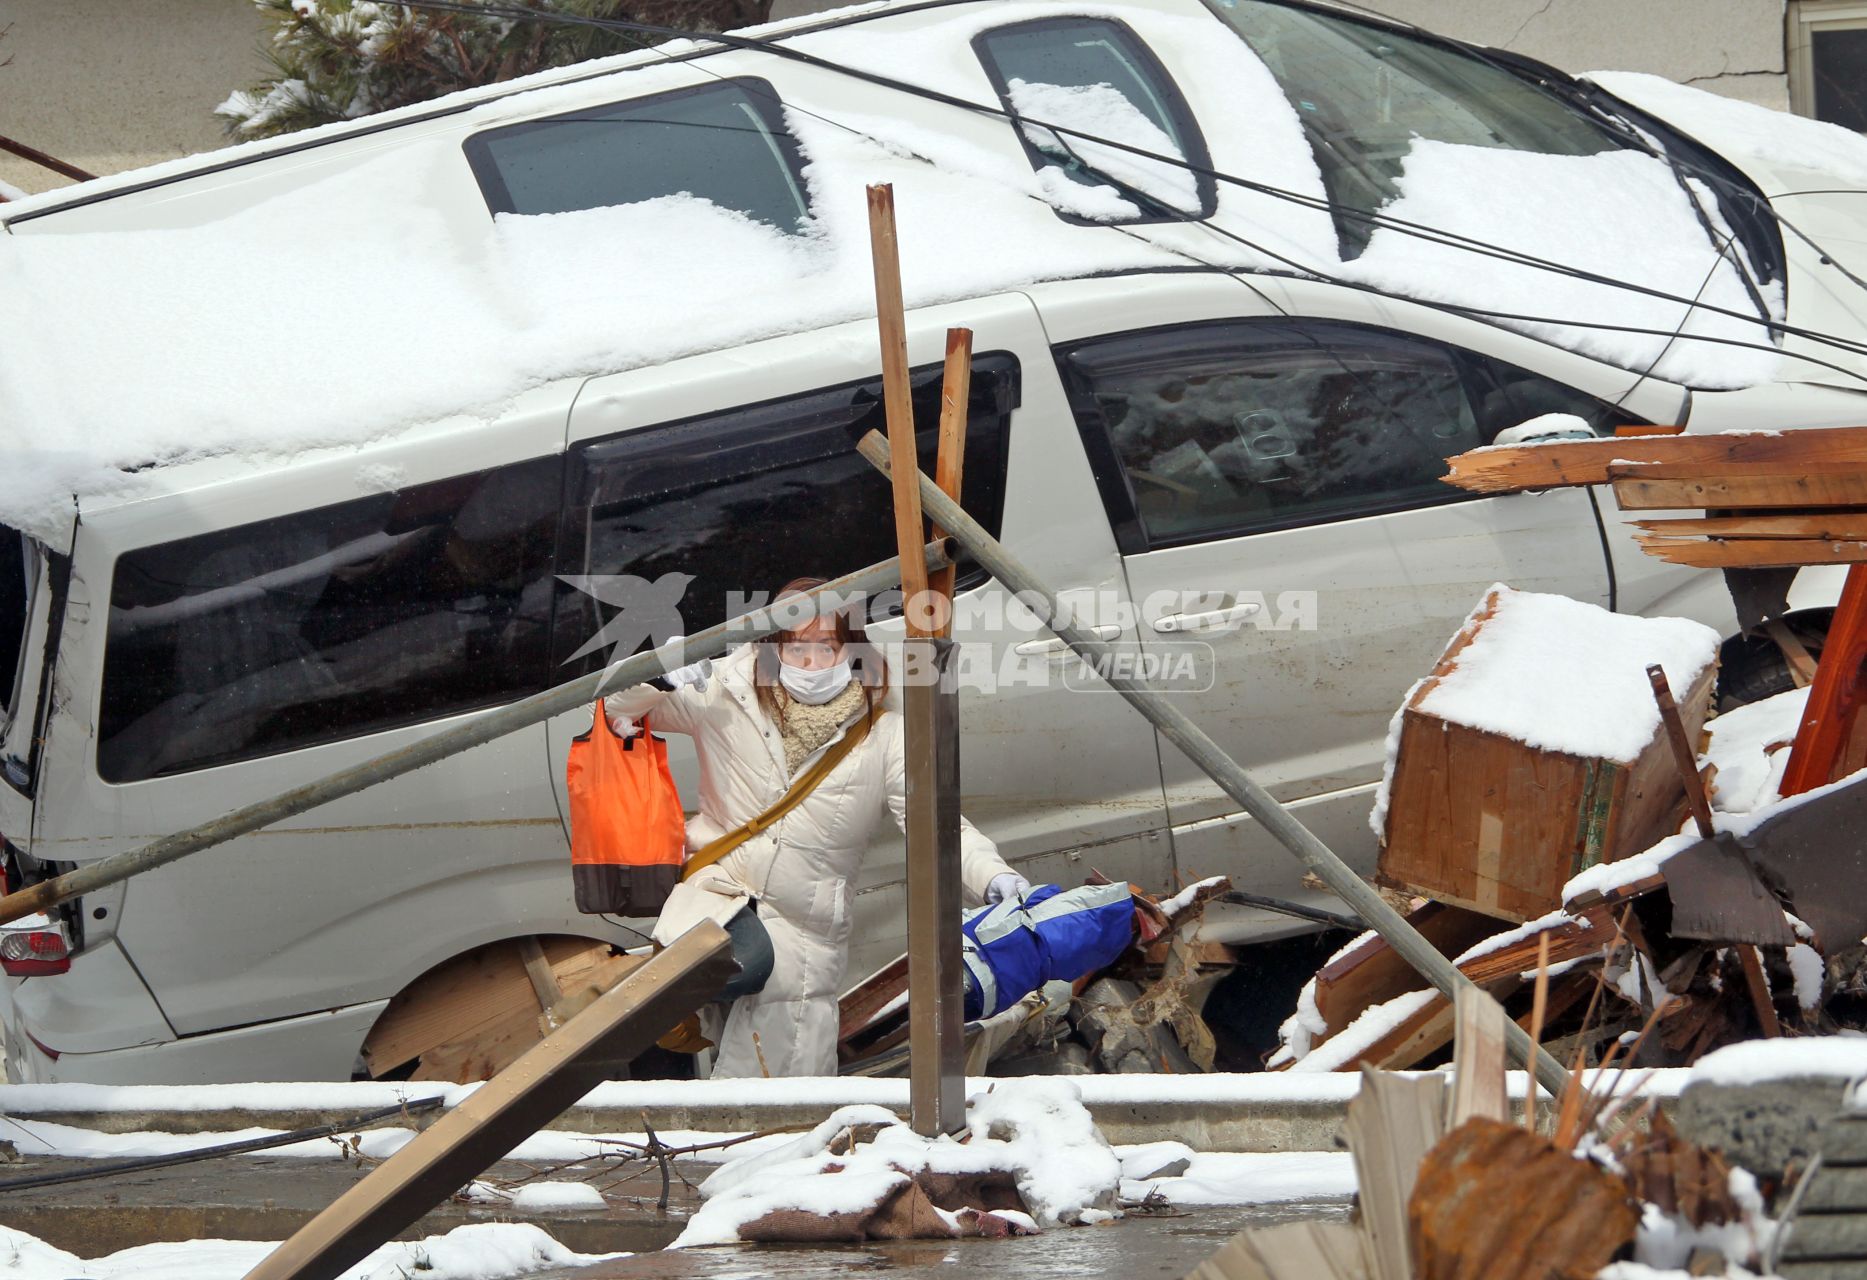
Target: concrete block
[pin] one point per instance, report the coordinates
(1763, 1127)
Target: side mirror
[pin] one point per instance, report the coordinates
(1546, 428)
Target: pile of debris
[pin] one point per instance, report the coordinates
(1140, 1014)
(1558, 798)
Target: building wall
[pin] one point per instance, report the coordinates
(108, 85)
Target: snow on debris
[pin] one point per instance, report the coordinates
(351, 308)
(1369, 1026)
(1755, 1061)
(1036, 1129)
(556, 1197)
(1560, 675)
(1749, 747)
(481, 1251)
(1230, 1177)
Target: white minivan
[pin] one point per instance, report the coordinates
(1246, 454)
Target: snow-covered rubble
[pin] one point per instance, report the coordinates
(1035, 1131)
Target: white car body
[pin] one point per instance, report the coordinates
(271, 956)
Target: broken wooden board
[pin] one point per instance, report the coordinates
(1751, 553)
(1371, 972)
(1561, 464)
(1820, 526)
(1670, 486)
(1478, 1063)
(493, 1119)
(1483, 821)
(1393, 1121)
(484, 1006)
(1290, 1251)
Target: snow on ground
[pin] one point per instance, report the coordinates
(1756, 1061)
(189, 323)
(482, 1251)
(1562, 675)
(1228, 1177)
(556, 1197)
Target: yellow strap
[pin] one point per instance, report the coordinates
(805, 784)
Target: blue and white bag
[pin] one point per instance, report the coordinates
(1013, 948)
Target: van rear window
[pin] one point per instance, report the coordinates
(725, 143)
(326, 624)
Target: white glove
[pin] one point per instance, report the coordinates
(622, 726)
(1007, 884)
(694, 673)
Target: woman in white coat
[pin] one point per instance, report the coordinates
(760, 717)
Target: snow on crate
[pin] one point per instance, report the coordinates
(1032, 1156)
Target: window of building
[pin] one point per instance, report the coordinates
(332, 623)
(747, 500)
(1213, 430)
(1364, 91)
(1097, 76)
(1828, 60)
(723, 142)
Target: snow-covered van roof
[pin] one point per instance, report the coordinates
(342, 286)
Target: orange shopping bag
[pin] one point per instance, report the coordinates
(627, 836)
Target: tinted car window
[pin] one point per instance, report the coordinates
(1207, 431)
(744, 501)
(15, 597)
(1099, 77)
(724, 142)
(1364, 92)
(330, 623)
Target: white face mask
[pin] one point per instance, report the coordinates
(814, 687)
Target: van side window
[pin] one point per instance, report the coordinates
(723, 142)
(1207, 431)
(331, 623)
(1098, 77)
(744, 501)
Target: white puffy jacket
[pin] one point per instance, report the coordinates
(802, 871)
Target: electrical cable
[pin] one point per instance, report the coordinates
(137, 1164)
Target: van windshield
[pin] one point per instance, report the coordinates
(15, 600)
(1364, 92)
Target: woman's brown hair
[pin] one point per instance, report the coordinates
(866, 664)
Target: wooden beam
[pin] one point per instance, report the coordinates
(1836, 697)
(950, 460)
(507, 1109)
(1670, 486)
(1514, 468)
(897, 398)
(1750, 553)
(1819, 526)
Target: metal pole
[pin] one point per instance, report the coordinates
(1221, 768)
(789, 612)
(936, 1021)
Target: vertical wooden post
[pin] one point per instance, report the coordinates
(950, 461)
(936, 1048)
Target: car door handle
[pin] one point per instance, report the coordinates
(1208, 617)
(1040, 648)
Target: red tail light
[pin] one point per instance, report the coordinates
(34, 953)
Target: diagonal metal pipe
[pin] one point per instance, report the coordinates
(1199, 747)
(712, 642)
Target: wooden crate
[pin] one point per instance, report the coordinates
(1485, 822)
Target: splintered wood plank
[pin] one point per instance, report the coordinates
(1512, 469)
(1373, 972)
(1669, 486)
(866, 999)
(1751, 553)
(1821, 526)
(1392, 1123)
(1570, 940)
(1478, 1059)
